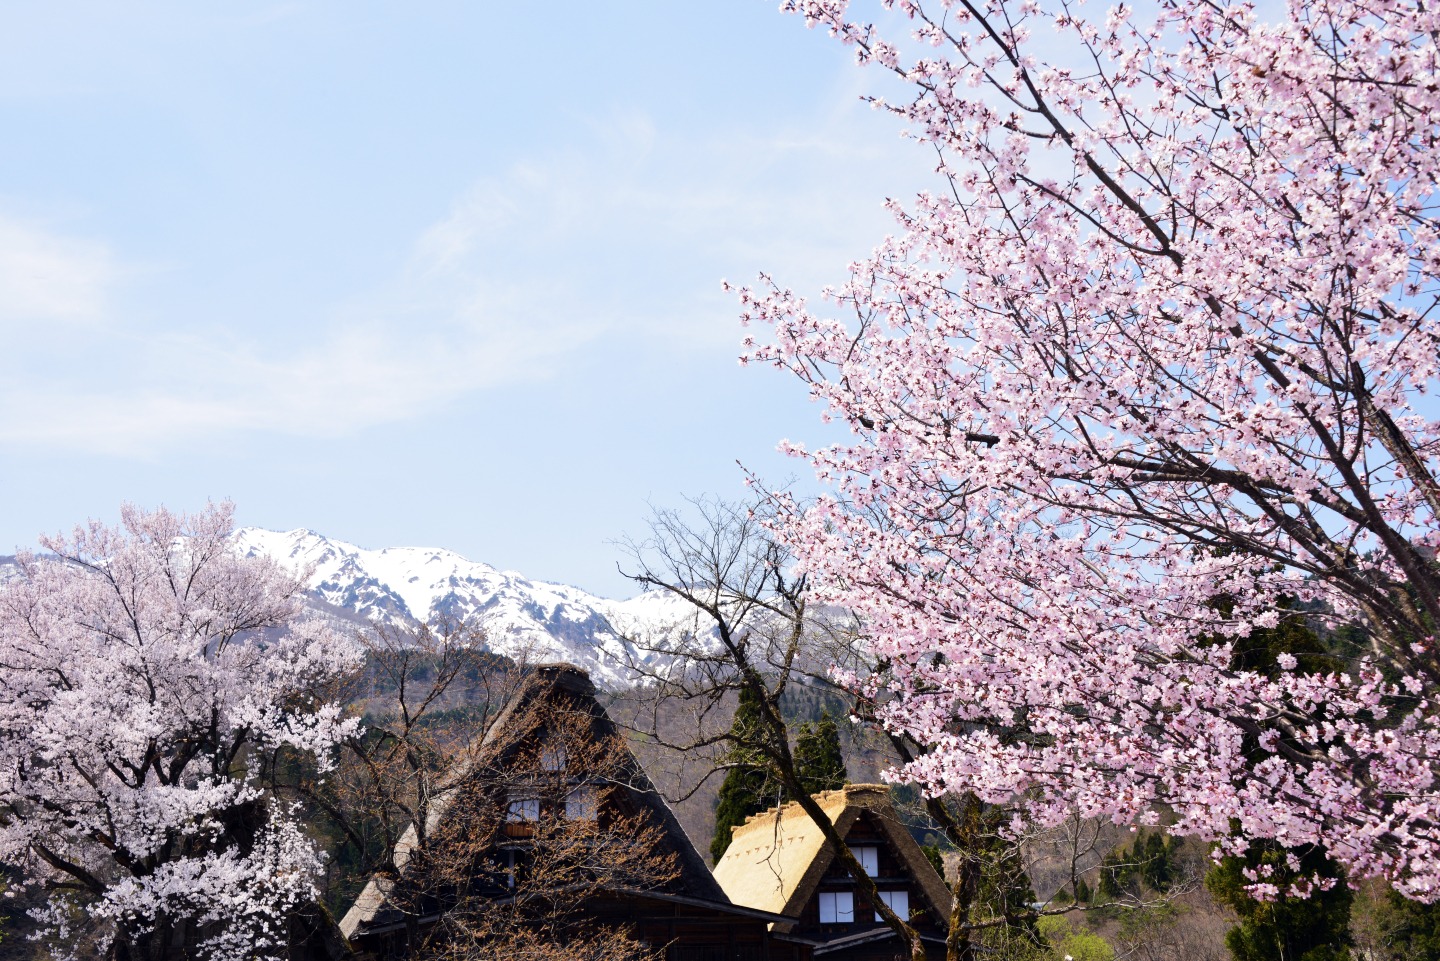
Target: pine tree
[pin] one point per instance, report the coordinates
(1147, 867)
(1117, 876)
(748, 787)
(1316, 928)
(1156, 868)
(936, 858)
(1412, 928)
(819, 765)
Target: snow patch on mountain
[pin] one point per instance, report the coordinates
(523, 619)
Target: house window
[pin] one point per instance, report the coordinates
(523, 809)
(553, 758)
(580, 803)
(899, 902)
(837, 907)
(869, 858)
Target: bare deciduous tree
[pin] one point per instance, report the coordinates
(426, 696)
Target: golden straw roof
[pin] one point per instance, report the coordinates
(777, 857)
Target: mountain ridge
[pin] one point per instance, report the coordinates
(522, 618)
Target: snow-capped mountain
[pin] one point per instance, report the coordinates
(521, 617)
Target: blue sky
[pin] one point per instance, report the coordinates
(425, 273)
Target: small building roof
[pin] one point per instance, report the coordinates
(777, 857)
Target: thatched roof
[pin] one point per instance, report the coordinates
(545, 681)
(777, 857)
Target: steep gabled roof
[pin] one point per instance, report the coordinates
(546, 681)
(776, 858)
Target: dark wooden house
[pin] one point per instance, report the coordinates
(552, 760)
(778, 861)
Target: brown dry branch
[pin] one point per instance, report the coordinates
(426, 696)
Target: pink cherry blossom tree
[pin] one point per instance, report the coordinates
(144, 673)
(1163, 336)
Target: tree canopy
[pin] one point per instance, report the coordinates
(148, 671)
(819, 763)
(1161, 335)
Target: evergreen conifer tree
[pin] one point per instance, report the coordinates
(1156, 868)
(935, 857)
(1316, 928)
(748, 787)
(1413, 928)
(1145, 868)
(818, 762)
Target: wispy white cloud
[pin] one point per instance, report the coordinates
(635, 232)
(364, 378)
(47, 278)
(184, 386)
(622, 238)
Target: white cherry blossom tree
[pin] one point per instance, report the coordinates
(143, 671)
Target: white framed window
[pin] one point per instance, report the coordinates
(898, 901)
(869, 858)
(522, 809)
(553, 758)
(837, 907)
(580, 803)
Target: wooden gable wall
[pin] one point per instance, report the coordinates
(892, 873)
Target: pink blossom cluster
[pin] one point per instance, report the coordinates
(145, 671)
(1163, 337)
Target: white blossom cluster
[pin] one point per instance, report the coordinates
(145, 671)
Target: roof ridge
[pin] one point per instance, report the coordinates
(846, 794)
